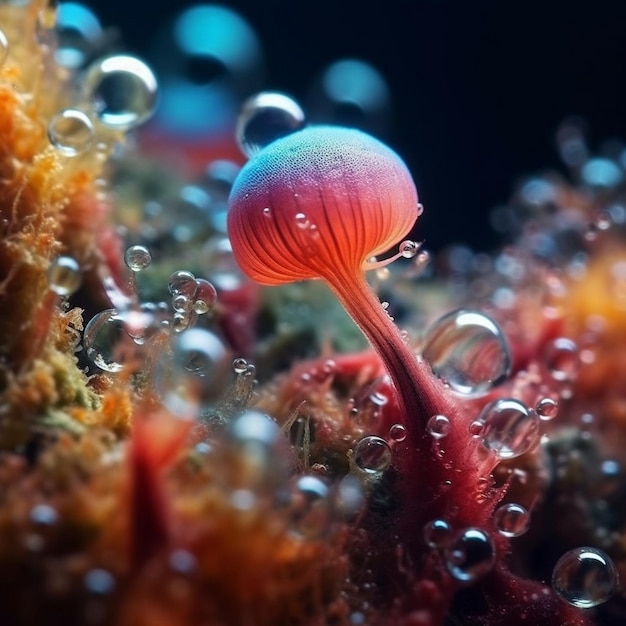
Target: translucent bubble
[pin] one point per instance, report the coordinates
(547, 409)
(372, 455)
(217, 181)
(468, 351)
(585, 577)
(4, 47)
(437, 533)
(562, 359)
(470, 555)
(397, 433)
(99, 581)
(182, 304)
(44, 515)
(438, 426)
(601, 173)
(197, 373)
(351, 92)
(240, 366)
(70, 131)
(106, 341)
(137, 258)
(349, 497)
(205, 296)
(190, 213)
(64, 276)
(123, 91)
(508, 428)
(408, 249)
(78, 34)
(266, 117)
(511, 520)
(309, 507)
(182, 283)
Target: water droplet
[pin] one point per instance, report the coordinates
(78, 34)
(205, 296)
(106, 341)
(372, 455)
(438, 426)
(470, 555)
(309, 507)
(302, 221)
(44, 515)
(217, 181)
(182, 304)
(437, 533)
(182, 283)
(123, 91)
(99, 582)
(267, 212)
(70, 131)
(408, 249)
(547, 409)
(64, 276)
(137, 258)
(511, 520)
(4, 47)
(397, 433)
(562, 359)
(240, 366)
(349, 497)
(196, 375)
(266, 117)
(585, 577)
(509, 428)
(468, 351)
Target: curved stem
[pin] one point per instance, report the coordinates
(421, 395)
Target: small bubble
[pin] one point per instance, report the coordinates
(437, 533)
(562, 359)
(266, 117)
(408, 249)
(509, 428)
(378, 399)
(182, 304)
(44, 515)
(372, 455)
(240, 366)
(64, 276)
(267, 212)
(470, 555)
(206, 294)
(309, 507)
(105, 340)
(137, 258)
(585, 577)
(123, 91)
(302, 221)
(349, 497)
(476, 428)
(468, 351)
(511, 520)
(547, 409)
(182, 283)
(196, 374)
(438, 426)
(397, 433)
(70, 131)
(99, 582)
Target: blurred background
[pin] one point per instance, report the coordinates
(470, 93)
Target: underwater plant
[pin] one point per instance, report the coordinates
(193, 431)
